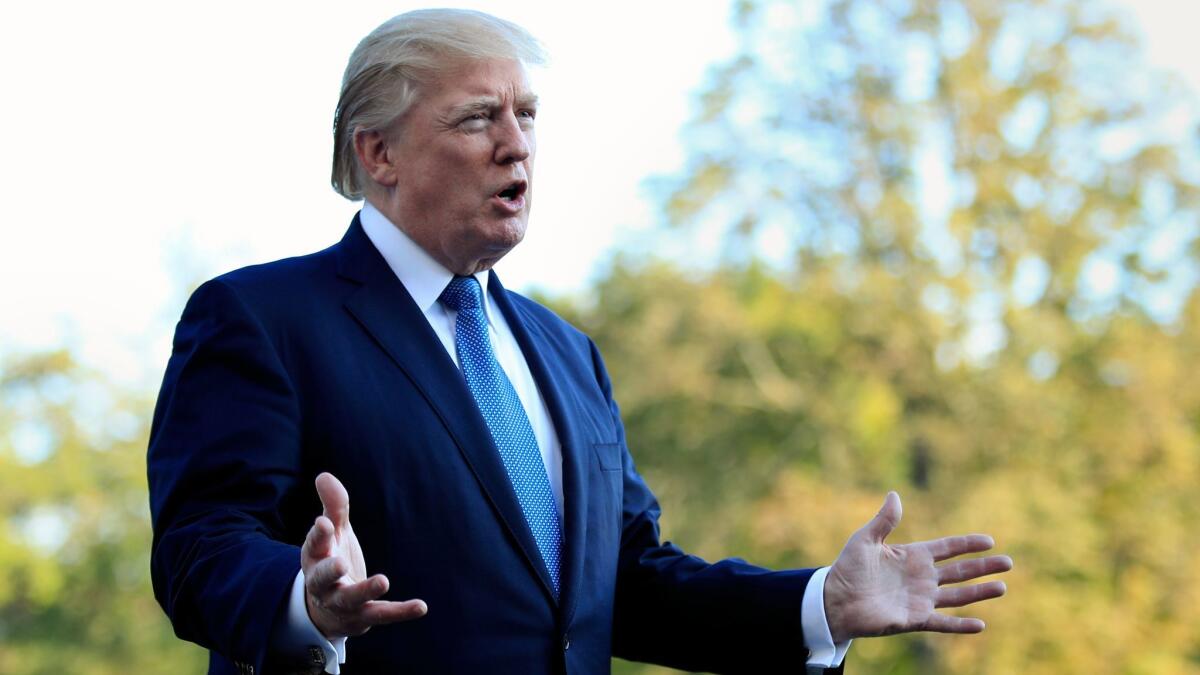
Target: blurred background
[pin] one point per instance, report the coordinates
(828, 248)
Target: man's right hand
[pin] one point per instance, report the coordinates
(341, 600)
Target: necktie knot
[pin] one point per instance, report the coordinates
(462, 293)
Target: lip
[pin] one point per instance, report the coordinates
(509, 206)
(516, 204)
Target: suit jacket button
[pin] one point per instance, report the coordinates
(566, 642)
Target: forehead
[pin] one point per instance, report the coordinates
(502, 79)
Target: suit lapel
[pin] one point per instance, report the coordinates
(534, 345)
(387, 312)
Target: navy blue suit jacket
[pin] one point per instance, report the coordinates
(324, 363)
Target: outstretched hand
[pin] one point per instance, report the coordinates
(877, 589)
(341, 600)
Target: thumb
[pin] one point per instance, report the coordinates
(887, 519)
(334, 499)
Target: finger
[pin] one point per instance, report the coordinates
(958, 596)
(949, 547)
(943, 623)
(379, 612)
(966, 570)
(887, 519)
(334, 499)
(356, 595)
(319, 543)
(323, 578)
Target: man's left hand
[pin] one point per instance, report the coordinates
(878, 589)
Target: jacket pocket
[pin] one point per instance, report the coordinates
(608, 455)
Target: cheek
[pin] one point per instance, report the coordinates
(446, 191)
(425, 186)
(461, 181)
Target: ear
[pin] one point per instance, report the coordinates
(372, 147)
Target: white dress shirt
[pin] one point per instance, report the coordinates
(425, 279)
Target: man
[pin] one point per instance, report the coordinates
(495, 499)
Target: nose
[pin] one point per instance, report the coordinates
(514, 143)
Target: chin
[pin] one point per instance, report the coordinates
(493, 244)
(507, 235)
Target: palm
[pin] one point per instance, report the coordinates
(876, 588)
(348, 544)
(345, 545)
(341, 599)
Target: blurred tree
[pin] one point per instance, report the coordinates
(75, 591)
(957, 256)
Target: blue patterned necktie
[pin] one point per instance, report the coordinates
(505, 418)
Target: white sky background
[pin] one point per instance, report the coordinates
(146, 144)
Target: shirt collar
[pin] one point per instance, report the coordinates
(422, 276)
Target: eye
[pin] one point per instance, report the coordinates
(526, 117)
(476, 121)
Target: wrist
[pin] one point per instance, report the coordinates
(835, 608)
(317, 617)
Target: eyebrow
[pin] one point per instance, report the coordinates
(485, 103)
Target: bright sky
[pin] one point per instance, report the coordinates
(147, 144)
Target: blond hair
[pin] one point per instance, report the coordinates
(389, 66)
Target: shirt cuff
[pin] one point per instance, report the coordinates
(822, 651)
(301, 636)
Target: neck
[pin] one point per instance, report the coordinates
(391, 210)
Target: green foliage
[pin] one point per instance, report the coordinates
(75, 540)
(771, 415)
(959, 260)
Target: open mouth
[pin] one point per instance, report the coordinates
(513, 191)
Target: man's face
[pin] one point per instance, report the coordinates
(464, 165)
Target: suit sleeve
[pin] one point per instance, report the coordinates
(677, 610)
(224, 453)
